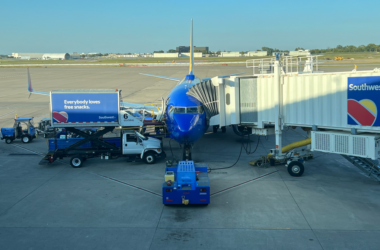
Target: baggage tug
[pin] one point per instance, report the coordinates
(187, 183)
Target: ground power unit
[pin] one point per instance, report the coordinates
(362, 145)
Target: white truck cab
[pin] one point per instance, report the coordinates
(147, 148)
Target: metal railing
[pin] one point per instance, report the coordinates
(289, 64)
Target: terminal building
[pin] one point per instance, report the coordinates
(256, 53)
(230, 54)
(186, 49)
(248, 54)
(42, 56)
(305, 52)
(196, 54)
(169, 55)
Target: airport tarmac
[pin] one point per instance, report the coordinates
(332, 206)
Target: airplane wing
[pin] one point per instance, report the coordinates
(140, 106)
(164, 77)
(30, 88)
(206, 79)
(148, 108)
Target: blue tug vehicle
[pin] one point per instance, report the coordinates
(23, 129)
(187, 183)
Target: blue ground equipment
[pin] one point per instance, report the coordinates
(186, 183)
(17, 132)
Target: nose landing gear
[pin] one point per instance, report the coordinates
(187, 152)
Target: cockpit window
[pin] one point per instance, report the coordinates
(179, 110)
(187, 110)
(192, 110)
(200, 109)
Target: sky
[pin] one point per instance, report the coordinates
(145, 26)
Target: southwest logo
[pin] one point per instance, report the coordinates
(363, 112)
(363, 98)
(60, 116)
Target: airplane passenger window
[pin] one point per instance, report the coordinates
(228, 99)
(192, 110)
(179, 110)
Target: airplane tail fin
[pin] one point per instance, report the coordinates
(191, 72)
(191, 76)
(30, 87)
(29, 81)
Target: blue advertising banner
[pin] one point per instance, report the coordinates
(85, 107)
(363, 100)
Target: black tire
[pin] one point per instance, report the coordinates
(296, 168)
(224, 129)
(241, 130)
(26, 139)
(272, 161)
(8, 141)
(215, 129)
(149, 158)
(76, 162)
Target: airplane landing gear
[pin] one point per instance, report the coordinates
(187, 153)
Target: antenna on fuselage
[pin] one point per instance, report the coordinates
(190, 76)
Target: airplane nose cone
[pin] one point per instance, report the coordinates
(188, 128)
(184, 123)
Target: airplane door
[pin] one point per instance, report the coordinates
(132, 144)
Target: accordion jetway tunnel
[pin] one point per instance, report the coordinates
(337, 109)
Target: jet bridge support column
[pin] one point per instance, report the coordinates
(277, 104)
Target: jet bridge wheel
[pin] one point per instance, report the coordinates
(296, 168)
(215, 129)
(76, 161)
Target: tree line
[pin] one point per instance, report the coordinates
(371, 47)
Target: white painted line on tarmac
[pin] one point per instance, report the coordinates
(8, 113)
(128, 184)
(243, 183)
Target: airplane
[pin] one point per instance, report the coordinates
(185, 116)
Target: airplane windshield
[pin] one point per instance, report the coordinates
(179, 110)
(186, 110)
(192, 110)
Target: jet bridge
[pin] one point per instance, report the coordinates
(338, 109)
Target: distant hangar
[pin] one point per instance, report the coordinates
(42, 56)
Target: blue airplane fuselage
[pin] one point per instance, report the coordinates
(185, 116)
